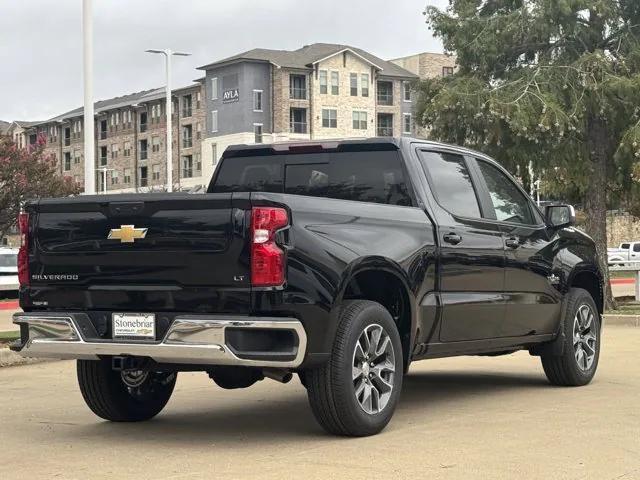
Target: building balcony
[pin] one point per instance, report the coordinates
(385, 131)
(103, 135)
(298, 127)
(297, 93)
(143, 154)
(187, 142)
(143, 127)
(385, 99)
(186, 112)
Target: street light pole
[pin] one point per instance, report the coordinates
(87, 58)
(169, 125)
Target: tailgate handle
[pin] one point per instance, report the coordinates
(125, 208)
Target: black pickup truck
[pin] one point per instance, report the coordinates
(339, 261)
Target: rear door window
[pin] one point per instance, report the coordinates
(451, 183)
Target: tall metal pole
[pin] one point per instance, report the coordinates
(167, 54)
(87, 59)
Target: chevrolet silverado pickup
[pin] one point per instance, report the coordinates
(338, 261)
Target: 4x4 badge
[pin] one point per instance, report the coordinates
(127, 233)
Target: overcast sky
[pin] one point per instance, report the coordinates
(41, 41)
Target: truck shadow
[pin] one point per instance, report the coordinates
(426, 397)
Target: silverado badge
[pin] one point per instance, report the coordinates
(127, 233)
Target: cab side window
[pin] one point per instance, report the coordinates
(636, 247)
(509, 203)
(451, 182)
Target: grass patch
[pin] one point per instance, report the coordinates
(630, 308)
(8, 337)
(617, 274)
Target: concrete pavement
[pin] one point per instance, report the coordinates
(459, 418)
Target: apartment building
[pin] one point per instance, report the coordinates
(428, 64)
(319, 91)
(130, 140)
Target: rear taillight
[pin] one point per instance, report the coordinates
(267, 258)
(23, 253)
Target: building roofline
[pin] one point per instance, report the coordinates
(347, 49)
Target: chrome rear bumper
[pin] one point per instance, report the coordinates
(191, 339)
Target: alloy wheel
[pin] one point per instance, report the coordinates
(373, 368)
(584, 337)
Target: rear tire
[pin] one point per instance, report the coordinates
(581, 350)
(356, 392)
(108, 396)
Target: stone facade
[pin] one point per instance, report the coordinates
(427, 64)
(121, 132)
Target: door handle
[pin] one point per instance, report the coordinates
(512, 242)
(452, 238)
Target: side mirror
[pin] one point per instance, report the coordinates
(559, 216)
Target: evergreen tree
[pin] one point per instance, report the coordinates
(552, 82)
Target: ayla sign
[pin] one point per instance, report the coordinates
(230, 96)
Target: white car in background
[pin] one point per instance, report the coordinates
(627, 252)
(8, 269)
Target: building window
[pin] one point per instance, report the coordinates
(214, 121)
(323, 81)
(385, 93)
(364, 84)
(385, 125)
(335, 83)
(353, 84)
(143, 149)
(198, 99)
(155, 144)
(214, 154)
(114, 150)
(257, 100)
(257, 132)
(186, 106)
(115, 178)
(127, 149)
(103, 156)
(406, 91)
(298, 87)
(127, 176)
(298, 120)
(155, 172)
(187, 166)
(187, 136)
(359, 120)
(67, 137)
(214, 88)
(143, 177)
(198, 130)
(143, 122)
(329, 118)
(76, 157)
(198, 162)
(67, 161)
(447, 71)
(406, 123)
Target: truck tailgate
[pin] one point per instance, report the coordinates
(158, 252)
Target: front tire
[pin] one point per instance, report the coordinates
(577, 364)
(357, 391)
(125, 396)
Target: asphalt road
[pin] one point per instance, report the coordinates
(459, 418)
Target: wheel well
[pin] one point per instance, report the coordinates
(389, 291)
(590, 282)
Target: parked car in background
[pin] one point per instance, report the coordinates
(627, 252)
(8, 269)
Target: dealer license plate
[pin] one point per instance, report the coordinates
(134, 326)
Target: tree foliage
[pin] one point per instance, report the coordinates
(552, 82)
(26, 174)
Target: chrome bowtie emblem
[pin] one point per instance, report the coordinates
(127, 233)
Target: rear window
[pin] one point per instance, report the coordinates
(376, 177)
(8, 260)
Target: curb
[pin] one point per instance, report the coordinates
(622, 320)
(12, 359)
